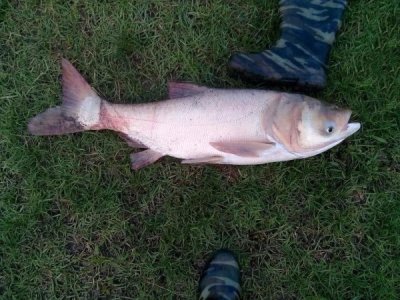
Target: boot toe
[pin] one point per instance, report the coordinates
(221, 277)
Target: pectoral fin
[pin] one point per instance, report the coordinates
(144, 158)
(184, 89)
(244, 149)
(204, 160)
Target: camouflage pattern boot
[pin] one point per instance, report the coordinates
(299, 57)
(221, 278)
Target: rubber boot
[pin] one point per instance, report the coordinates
(299, 57)
(221, 278)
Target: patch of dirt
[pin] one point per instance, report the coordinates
(323, 255)
(231, 173)
(78, 246)
(188, 175)
(153, 243)
(199, 265)
(359, 197)
(153, 206)
(62, 209)
(322, 248)
(266, 242)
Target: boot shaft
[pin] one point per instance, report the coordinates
(311, 25)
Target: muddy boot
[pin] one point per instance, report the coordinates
(221, 278)
(299, 57)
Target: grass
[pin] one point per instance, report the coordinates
(76, 222)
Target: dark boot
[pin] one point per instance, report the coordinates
(221, 278)
(299, 57)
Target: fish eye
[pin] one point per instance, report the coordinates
(330, 129)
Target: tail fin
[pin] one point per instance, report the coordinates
(79, 111)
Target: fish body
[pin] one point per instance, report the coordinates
(202, 125)
(185, 127)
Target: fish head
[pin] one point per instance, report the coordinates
(312, 126)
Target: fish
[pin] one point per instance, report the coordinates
(202, 125)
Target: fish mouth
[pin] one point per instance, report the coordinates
(350, 129)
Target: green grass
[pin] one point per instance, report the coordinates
(76, 222)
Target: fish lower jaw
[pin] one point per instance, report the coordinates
(352, 128)
(319, 151)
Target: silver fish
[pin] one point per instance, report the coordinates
(202, 125)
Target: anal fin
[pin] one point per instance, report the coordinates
(243, 148)
(204, 160)
(144, 158)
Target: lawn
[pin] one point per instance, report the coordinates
(76, 222)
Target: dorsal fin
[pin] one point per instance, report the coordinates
(184, 89)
